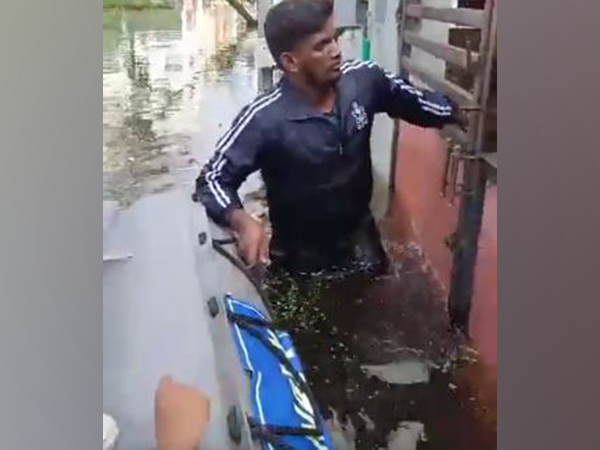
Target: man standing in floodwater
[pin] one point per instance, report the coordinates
(310, 138)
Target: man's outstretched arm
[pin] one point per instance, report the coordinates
(401, 100)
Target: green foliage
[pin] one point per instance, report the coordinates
(137, 4)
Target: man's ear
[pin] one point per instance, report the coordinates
(289, 62)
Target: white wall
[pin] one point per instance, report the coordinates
(384, 38)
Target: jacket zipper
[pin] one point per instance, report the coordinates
(340, 130)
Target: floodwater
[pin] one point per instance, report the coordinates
(378, 352)
(382, 361)
(173, 81)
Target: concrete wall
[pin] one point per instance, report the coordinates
(383, 35)
(428, 219)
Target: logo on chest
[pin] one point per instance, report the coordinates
(360, 116)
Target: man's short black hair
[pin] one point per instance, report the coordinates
(291, 21)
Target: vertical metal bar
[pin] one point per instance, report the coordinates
(487, 73)
(444, 187)
(473, 199)
(453, 168)
(265, 80)
(394, 159)
(401, 29)
(265, 74)
(401, 20)
(467, 246)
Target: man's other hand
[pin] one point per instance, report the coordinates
(253, 240)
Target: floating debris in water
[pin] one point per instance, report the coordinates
(407, 436)
(342, 434)
(411, 371)
(370, 425)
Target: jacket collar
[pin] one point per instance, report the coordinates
(296, 104)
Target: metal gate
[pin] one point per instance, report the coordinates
(472, 151)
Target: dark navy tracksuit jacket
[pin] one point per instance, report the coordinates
(316, 166)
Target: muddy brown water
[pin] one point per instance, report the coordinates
(343, 324)
(172, 82)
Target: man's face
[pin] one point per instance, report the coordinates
(318, 58)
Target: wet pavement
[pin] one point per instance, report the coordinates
(378, 352)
